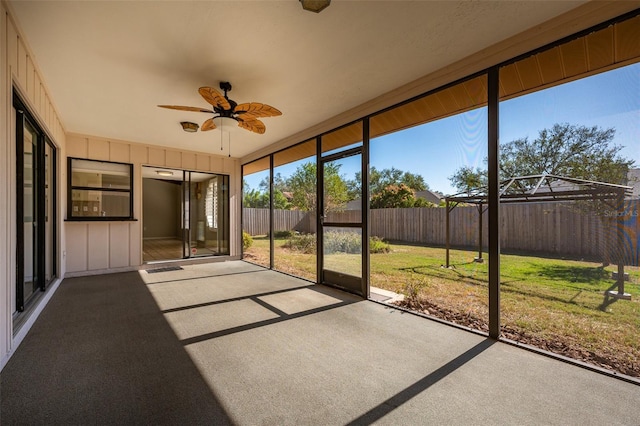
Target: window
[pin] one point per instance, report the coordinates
(99, 190)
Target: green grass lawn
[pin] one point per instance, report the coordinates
(545, 298)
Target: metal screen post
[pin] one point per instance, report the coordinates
(494, 203)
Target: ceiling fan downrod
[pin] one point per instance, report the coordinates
(226, 87)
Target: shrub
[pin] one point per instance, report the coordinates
(336, 242)
(412, 293)
(283, 234)
(247, 241)
(342, 242)
(378, 245)
(304, 243)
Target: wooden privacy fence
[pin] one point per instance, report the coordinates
(256, 221)
(559, 229)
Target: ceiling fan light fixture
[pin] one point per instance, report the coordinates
(225, 123)
(189, 127)
(316, 6)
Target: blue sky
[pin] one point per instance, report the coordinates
(437, 149)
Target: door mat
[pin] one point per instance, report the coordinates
(164, 269)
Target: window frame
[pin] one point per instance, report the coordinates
(71, 187)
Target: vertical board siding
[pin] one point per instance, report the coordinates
(98, 246)
(20, 64)
(119, 245)
(558, 229)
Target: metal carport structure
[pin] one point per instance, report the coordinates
(547, 188)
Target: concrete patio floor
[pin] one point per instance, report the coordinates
(233, 343)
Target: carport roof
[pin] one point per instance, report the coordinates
(545, 187)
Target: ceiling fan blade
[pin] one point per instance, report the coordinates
(256, 109)
(214, 97)
(253, 125)
(186, 108)
(208, 125)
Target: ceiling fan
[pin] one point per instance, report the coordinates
(225, 109)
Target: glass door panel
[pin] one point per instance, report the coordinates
(207, 235)
(49, 197)
(186, 215)
(342, 250)
(216, 210)
(30, 211)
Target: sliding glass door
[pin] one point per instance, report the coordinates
(35, 196)
(185, 214)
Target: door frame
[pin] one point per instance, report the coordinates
(357, 285)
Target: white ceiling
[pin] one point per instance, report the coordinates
(108, 64)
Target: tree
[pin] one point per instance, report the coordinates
(466, 179)
(565, 150)
(397, 196)
(381, 179)
(256, 199)
(302, 185)
(259, 198)
(280, 202)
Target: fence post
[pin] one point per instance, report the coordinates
(447, 237)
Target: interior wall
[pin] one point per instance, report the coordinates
(161, 205)
(96, 247)
(19, 72)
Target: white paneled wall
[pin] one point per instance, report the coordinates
(94, 247)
